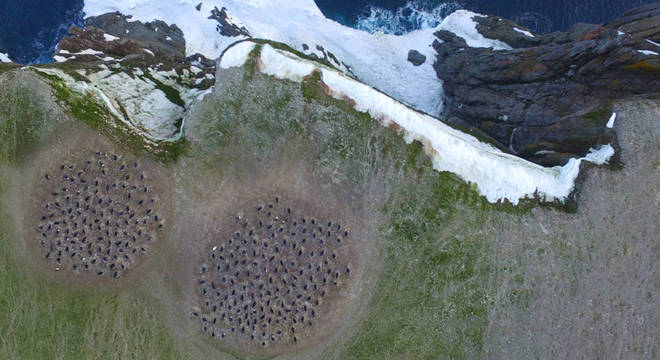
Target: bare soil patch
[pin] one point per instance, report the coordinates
(271, 263)
(91, 212)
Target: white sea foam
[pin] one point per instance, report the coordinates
(4, 57)
(415, 15)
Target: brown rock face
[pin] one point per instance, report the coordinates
(111, 38)
(549, 98)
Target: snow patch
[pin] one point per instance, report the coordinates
(497, 175)
(89, 52)
(653, 42)
(379, 60)
(610, 122)
(463, 25)
(109, 37)
(545, 152)
(149, 52)
(63, 59)
(238, 55)
(524, 32)
(600, 156)
(648, 52)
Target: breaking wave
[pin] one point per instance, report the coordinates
(415, 15)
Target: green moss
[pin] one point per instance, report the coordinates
(252, 62)
(4, 67)
(172, 94)
(23, 122)
(432, 299)
(312, 87)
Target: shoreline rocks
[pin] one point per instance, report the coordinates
(549, 98)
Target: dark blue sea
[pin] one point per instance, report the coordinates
(30, 29)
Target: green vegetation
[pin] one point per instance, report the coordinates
(24, 121)
(172, 94)
(433, 296)
(251, 64)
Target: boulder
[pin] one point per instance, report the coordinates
(416, 58)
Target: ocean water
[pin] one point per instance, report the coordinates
(30, 29)
(541, 16)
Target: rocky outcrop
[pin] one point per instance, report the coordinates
(416, 58)
(548, 99)
(226, 25)
(112, 37)
(139, 71)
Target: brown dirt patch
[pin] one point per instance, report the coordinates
(216, 210)
(90, 212)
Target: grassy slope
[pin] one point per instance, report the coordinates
(431, 301)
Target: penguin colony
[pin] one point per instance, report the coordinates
(265, 281)
(98, 217)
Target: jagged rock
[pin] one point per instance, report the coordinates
(548, 99)
(416, 58)
(226, 26)
(494, 27)
(140, 71)
(111, 38)
(155, 35)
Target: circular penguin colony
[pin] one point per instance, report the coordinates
(265, 282)
(98, 216)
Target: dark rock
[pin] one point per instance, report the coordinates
(416, 58)
(199, 7)
(151, 46)
(495, 27)
(549, 98)
(226, 27)
(155, 35)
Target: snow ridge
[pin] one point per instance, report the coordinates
(498, 176)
